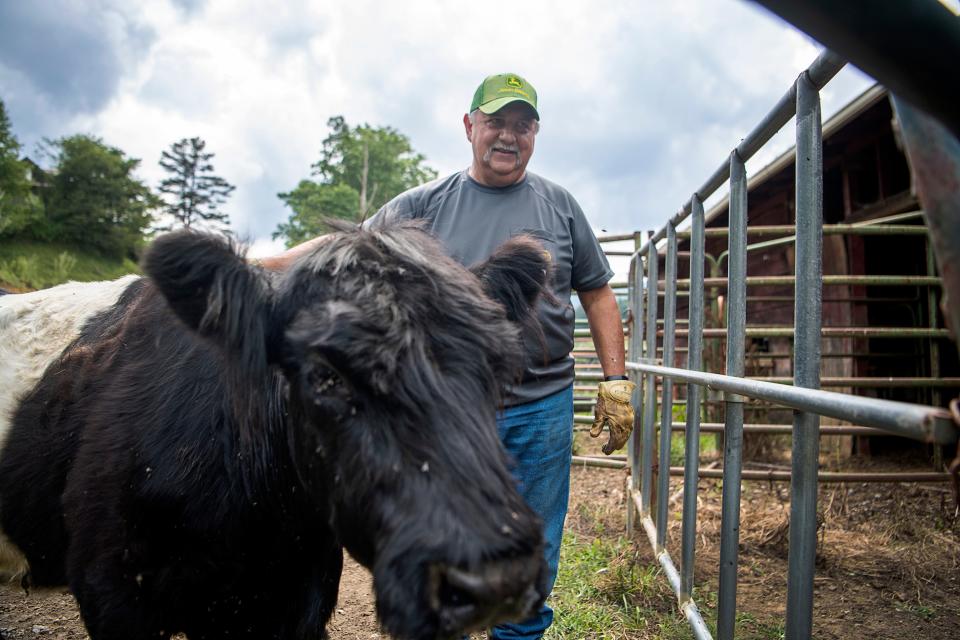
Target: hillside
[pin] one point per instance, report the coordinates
(26, 266)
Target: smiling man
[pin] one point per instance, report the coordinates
(472, 212)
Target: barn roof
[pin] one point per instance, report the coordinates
(837, 122)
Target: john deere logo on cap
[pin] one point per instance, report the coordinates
(497, 91)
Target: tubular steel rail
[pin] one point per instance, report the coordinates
(803, 393)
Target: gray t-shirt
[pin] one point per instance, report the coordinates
(472, 220)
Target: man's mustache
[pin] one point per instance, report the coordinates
(505, 148)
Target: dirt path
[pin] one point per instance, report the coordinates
(52, 613)
(355, 617)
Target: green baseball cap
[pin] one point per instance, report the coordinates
(496, 92)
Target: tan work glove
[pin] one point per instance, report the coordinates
(614, 410)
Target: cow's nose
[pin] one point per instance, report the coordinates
(504, 591)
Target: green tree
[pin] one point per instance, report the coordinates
(194, 193)
(311, 203)
(94, 199)
(360, 168)
(19, 207)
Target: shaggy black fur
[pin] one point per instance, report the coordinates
(202, 474)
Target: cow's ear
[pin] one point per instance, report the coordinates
(516, 276)
(212, 288)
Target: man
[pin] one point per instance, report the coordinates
(474, 211)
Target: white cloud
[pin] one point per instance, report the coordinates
(641, 101)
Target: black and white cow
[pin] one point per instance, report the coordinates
(191, 451)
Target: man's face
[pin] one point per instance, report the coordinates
(502, 144)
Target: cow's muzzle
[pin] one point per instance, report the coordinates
(503, 591)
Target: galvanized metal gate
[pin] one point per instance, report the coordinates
(805, 397)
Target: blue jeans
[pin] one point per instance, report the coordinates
(539, 437)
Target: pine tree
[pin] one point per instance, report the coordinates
(193, 192)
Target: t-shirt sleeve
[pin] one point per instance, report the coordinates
(402, 207)
(590, 266)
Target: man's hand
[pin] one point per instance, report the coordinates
(614, 410)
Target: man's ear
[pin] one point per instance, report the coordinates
(468, 126)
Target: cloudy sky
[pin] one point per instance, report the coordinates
(640, 100)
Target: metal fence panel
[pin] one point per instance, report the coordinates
(802, 393)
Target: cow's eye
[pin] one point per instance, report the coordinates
(329, 394)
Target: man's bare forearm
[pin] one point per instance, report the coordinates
(606, 328)
(282, 261)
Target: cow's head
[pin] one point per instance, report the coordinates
(394, 356)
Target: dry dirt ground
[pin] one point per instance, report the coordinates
(888, 563)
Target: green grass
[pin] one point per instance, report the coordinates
(678, 439)
(678, 447)
(32, 265)
(603, 594)
(919, 610)
(748, 627)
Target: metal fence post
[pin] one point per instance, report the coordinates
(636, 353)
(733, 403)
(933, 345)
(806, 363)
(694, 361)
(650, 392)
(666, 401)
